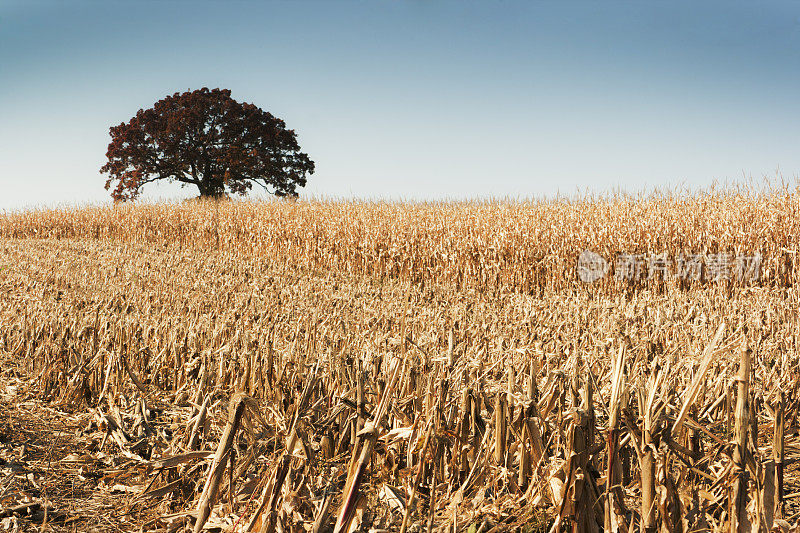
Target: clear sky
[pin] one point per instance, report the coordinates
(416, 99)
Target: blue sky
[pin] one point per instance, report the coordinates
(416, 99)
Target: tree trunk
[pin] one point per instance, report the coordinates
(211, 188)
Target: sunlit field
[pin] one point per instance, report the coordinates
(617, 363)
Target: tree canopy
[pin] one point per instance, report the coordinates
(208, 139)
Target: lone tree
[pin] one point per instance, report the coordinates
(208, 139)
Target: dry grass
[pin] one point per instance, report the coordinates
(369, 355)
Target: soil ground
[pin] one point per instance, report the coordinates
(49, 473)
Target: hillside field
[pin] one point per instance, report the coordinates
(621, 363)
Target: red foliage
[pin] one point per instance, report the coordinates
(208, 139)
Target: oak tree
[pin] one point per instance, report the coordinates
(208, 139)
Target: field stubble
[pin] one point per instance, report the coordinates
(316, 366)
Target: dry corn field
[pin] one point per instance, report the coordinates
(370, 366)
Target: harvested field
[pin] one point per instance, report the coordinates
(317, 366)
